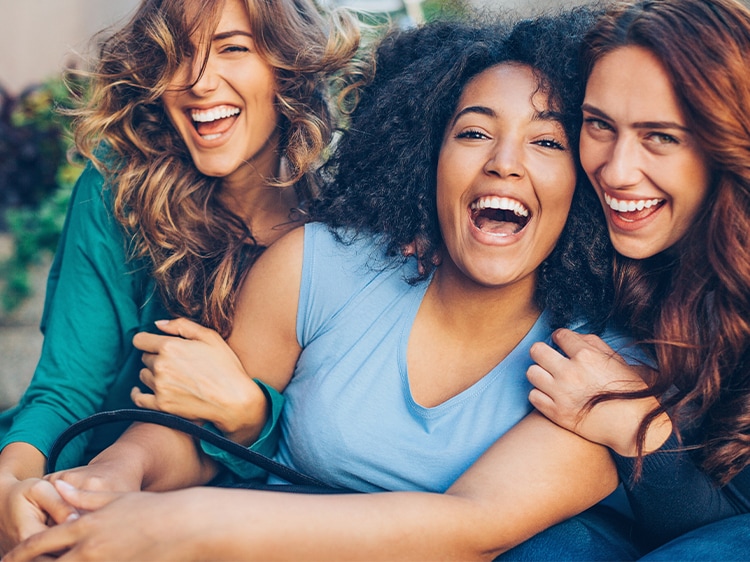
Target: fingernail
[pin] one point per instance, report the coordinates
(64, 485)
(72, 517)
(161, 322)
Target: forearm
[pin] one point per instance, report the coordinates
(388, 526)
(158, 457)
(673, 495)
(21, 461)
(537, 475)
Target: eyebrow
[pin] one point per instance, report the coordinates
(639, 124)
(229, 34)
(546, 115)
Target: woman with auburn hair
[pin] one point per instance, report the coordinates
(203, 125)
(665, 142)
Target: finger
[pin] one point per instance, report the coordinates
(570, 342)
(84, 500)
(148, 342)
(543, 403)
(540, 378)
(187, 329)
(46, 497)
(147, 377)
(548, 358)
(44, 545)
(143, 399)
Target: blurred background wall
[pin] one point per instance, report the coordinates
(40, 37)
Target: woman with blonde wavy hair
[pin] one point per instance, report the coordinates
(204, 125)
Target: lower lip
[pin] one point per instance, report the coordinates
(616, 220)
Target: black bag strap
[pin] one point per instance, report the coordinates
(180, 424)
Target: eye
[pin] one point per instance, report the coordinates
(550, 143)
(597, 124)
(471, 134)
(234, 49)
(663, 138)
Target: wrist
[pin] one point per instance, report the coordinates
(658, 431)
(244, 421)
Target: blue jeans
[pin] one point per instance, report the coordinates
(599, 533)
(726, 540)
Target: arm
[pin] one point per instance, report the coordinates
(672, 495)
(565, 382)
(86, 309)
(530, 479)
(156, 458)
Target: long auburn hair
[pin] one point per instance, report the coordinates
(691, 303)
(196, 248)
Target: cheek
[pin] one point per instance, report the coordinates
(590, 154)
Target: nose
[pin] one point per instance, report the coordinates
(620, 168)
(203, 78)
(504, 160)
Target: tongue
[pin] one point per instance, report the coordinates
(504, 228)
(216, 127)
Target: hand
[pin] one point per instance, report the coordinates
(27, 508)
(564, 386)
(194, 374)
(102, 475)
(133, 526)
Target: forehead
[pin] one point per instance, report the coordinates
(505, 87)
(633, 84)
(205, 17)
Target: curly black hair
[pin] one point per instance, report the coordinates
(384, 167)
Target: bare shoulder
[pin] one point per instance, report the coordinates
(282, 260)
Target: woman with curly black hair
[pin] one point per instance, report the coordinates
(399, 379)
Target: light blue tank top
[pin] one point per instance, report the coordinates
(349, 417)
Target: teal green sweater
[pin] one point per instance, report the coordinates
(97, 299)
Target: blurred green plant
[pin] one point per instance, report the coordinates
(36, 181)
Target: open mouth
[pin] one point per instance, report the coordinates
(212, 123)
(631, 210)
(500, 216)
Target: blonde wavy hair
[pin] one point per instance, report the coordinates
(197, 249)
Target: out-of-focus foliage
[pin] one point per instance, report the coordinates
(36, 180)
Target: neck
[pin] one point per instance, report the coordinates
(266, 209)
(483, 313)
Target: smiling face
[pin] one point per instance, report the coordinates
(651, 176)
(226, 115)
(505, 178)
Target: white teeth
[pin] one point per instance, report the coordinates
(208, 115)
(501, 203)
(628, 205)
